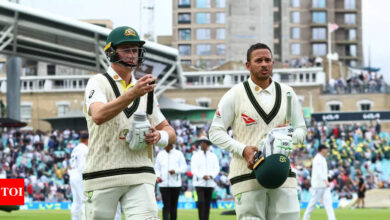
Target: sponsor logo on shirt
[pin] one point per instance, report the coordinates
(248, 120)
(91, 93)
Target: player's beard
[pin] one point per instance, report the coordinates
(261, 77)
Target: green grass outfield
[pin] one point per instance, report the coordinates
(341, 214)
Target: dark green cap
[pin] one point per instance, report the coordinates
(121, 35)
(273, 171)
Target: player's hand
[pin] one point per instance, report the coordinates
(159, 180)
(249, 152)
(171, 172)
(143, 85)
(326, 183)
(153, 137)
(205, 177)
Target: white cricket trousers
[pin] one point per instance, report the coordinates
(138, 202)
(76, 185)
(268, 204)
(317, 195)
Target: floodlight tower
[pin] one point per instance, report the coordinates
(147, 19)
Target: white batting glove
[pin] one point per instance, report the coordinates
(136, 138)
(265, 145)
(282, 144)
(277, 141)
(298, 136)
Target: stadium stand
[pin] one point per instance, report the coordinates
(42, 160)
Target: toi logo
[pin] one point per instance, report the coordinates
(11, 191)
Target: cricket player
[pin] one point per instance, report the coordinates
(77, 165)
(319, 185)
(253, 109)
(119, 161)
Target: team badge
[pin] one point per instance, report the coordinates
(282, 159)
(248, 120)
(123, 134)
(238, 198)
(129, 32)
(91, 93)
(90, 194)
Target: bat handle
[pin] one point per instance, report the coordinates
(149, 105)
(288, 114)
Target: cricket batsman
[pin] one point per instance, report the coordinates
(264, 124)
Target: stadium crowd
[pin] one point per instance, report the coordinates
(364, 82)
(42, 159)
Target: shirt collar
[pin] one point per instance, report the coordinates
(111, 72)
(270, 89)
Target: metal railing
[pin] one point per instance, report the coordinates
(227, 79)
(357, 88)
(74, 83)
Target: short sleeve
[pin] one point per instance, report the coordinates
(94, 92)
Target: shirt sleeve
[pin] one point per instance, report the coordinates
(182, 163)
(157, 116)
(215, 170)
(82, 160)
(324, 170)
(319, 170)
(94, 93)
(195, 168)
(223, 119)
(297, 121)
(157, 166)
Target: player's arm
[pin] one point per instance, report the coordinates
(182, 164)
(215, 170)
(297, 121)
(223, 119)
(162, 134)
(321, 171)
(157, 165)
(105, 111)
(362, 187)
(195, 167)
(83, 160)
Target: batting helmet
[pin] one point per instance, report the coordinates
(273, 171)
(121, 35)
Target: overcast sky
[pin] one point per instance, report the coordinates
(376, 20)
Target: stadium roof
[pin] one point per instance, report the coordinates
(40, 35)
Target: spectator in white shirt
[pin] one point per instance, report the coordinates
(3, 174)
(320, 185)
(169, 166)
(204, 167)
